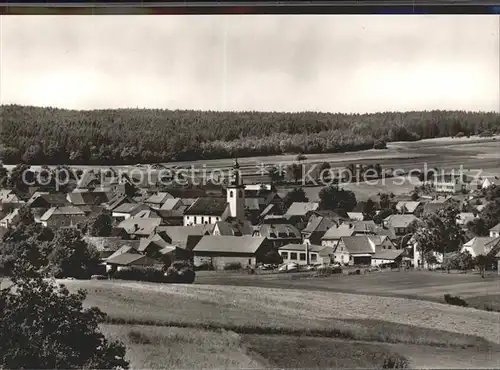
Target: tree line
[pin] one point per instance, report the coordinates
(36, 135)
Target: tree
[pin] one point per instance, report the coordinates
(369, 210)
(332, 198)
(457, 261)
(101, 224)
(71, 256)
(25, 215)
(478, 227)
(45, 326)
(296, 172)
(272, 257)
(385, 202)
(20, 176)
(275, 174)
(414, 196)
(483, 261)
(491, 213)
(295, 195)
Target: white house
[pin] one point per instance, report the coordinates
(206, 211)
(389, 256)
(451, 183)
(495, 231)
(481, 245)
(301, 254)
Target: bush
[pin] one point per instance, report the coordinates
(455, 300)
(232, 266)
(150, 274)
(395, 361)
(380, 144)
(180, 272)
(137, 337)
(358, 272)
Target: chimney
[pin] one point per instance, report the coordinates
(136, 227)
(350, 226)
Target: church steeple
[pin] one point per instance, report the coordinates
(236, 193)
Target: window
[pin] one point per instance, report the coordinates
(202, 219)
(314, 257)
(342, 258)
(293, 256)
(249, 261)
(284, 255)
(231, 194)
(302, 256)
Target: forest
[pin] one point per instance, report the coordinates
(35, 135)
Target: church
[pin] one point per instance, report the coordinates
(208, 210)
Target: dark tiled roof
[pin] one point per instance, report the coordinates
(229, 244)
(208, 207)
(359, 244)
(279, 231)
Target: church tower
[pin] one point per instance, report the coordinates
(236, 193)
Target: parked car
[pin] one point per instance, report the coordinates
(288, 267)
(309, 268)
(99, 277)
(266, 266)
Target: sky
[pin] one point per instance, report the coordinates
(329, 63)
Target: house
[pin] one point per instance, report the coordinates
(141, 227)
(316, 227)
(301, 254)
(127, 210)
(219, 251)
(452, 183)
(10, 219)
(495, 231)
(157, 200)
(354, 250)
(146, 213)
(412, 208)
(117, 201)
(298, 212)
(232, 228)
(88, 198)
(207, 211)
(48, 200)
(392, 257)
(481, 245)
(108, 245)
(156, 247)
(184, 236)
(8, 196)
(356, 216)
(278, 234)
(382, 242)
(173, 204)
(335, 233)
(129, 260)
(400, 223)
(69, 216)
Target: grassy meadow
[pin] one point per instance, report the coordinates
(227, 326)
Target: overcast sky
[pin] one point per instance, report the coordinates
(282, 63)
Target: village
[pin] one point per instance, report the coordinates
(256, 227)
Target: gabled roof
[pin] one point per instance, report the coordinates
(8, 196)
(388, 254)
(207, 207)
(400, 221)
(378, 239)
(155, 239)
(179, 234)
(11, 216)
(335, 215)
(409, 206)
(279, 231)
(318, 224)
(124, 249)
(128, 208)
(127, 259)
(495, 228)
(358, 244)
(117, 200)
(267, 210)
(234, 228)
(229, 244)
(301, 247)
(355, 215)
(88, 198)
(171, 204)
(66, 211)
(301, 208)
(465, 217)
(337, 232)
(52, 199)
(159, 198)
(109, 243)
(140, 226)
(482, 244)
(146, 213)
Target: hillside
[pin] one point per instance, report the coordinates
(127, 136)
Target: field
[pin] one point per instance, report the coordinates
(221, 326)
